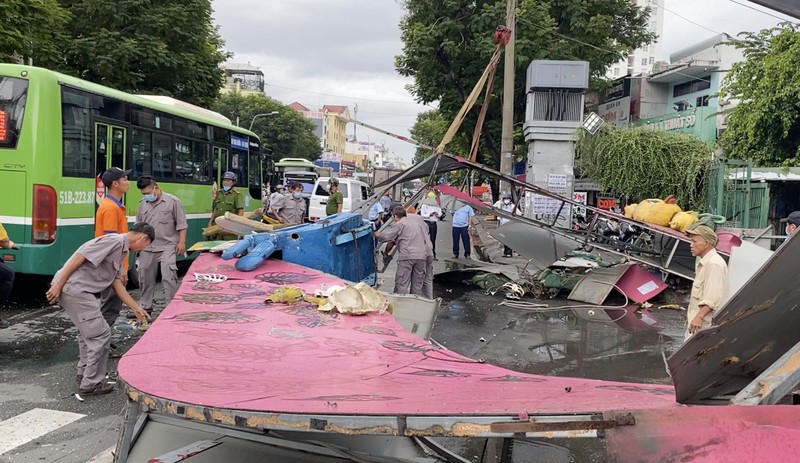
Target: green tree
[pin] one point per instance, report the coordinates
(765, 125)
(429, 129)
(31, 29)
(146, 46)
(644, 164)
(288, 133)
(447, 44)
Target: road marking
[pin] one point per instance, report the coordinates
(31, 425)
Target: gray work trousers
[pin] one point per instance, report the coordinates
(94, 336)
(110, 305)
(149, 263)
(427, 284)
(411, 276)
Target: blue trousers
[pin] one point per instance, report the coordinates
(461, 233)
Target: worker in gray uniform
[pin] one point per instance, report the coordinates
(291, 208)
(414, 253)
(164, 212)
(95, 266)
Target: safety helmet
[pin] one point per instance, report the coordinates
(334, 181)
(431, 194)
(506, 195)
(229, 175)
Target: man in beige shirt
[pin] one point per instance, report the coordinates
(710, 280)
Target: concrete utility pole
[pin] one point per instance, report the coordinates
(355, 116)
(507, 137)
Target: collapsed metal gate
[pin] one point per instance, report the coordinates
(733, 195)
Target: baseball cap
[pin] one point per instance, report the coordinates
(794, 218)
(704, 232)
(114, 173)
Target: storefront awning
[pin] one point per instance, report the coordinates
(685, 71)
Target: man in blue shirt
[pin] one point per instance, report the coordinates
(462, 219)
(375, 215)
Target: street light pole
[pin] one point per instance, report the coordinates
(273, 113)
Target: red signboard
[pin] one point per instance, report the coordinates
(606, 203)
(2, 126)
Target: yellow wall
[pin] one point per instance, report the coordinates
(360, 160)
(336, 134)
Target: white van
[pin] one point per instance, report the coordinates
(354, 192)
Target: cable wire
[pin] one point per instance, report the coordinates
(351, 97)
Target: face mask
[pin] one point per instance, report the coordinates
(297, 195)
(506, 201)
(150, 197)
(226, 188)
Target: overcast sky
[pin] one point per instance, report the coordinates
(342, 51)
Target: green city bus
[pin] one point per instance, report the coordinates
(59, 133)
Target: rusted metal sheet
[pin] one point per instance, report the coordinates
(597, 423)
(706, 434)
(758, 325)
(775, 383)
(595, 287)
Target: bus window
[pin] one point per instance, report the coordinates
(13, 93)
(76, 132)
(255, 175)
(191, 164)
(162, 156)
(141, 158)
(238, 166)
(110, 108)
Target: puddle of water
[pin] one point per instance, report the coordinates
(617, 344)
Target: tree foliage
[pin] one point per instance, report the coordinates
(429, 129)
(32, 29)
(765, 125)
(644, 164)
(146, 46)
(447, 44)
(288, 133)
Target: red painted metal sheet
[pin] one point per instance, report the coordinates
(639, 284)
(461, 196)
(708, 434)
(226, 349)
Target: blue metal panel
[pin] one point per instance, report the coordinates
(341, 245)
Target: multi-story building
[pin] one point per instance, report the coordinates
(687, 90)
(359, 152)
(334, 134)
(642, 59)
(380, 156)
(331, 127)
(678, 96)
(317, 117)
(243, 78)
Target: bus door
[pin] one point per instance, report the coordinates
(220, 164)
(110, 142)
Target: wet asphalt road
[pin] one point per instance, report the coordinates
(38, 355)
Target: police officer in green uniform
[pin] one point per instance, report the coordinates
(229, 199)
